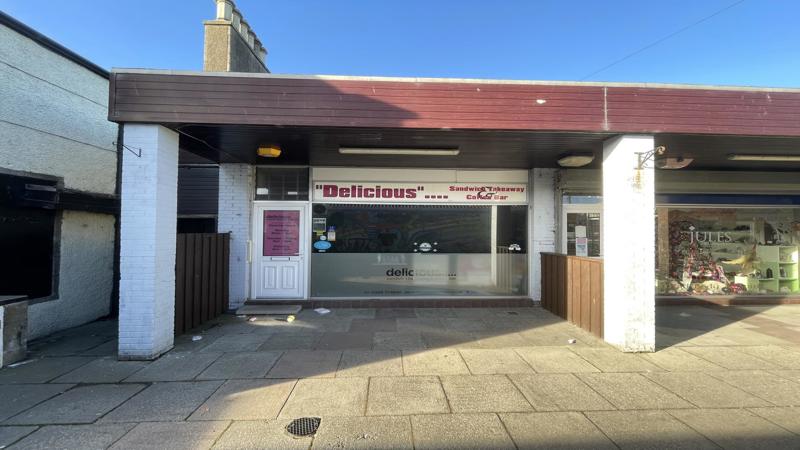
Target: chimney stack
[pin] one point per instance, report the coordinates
(230, 45)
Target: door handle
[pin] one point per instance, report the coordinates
(279, 258)
(249, 251)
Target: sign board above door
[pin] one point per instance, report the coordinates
(376, 192)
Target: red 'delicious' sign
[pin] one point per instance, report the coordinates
(492, 193)
(281, 233)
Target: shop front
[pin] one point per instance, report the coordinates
(404, 234)
(747, 248)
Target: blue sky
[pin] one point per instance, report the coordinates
(754, 43)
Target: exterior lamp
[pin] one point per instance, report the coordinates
(269, 151)
(576, 160)
(399, 151)
(774, 158)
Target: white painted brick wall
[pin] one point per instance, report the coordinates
(629, 244)
(147, 242)
(236, 184)
(543, 223)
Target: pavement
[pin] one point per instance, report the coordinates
(723, 377)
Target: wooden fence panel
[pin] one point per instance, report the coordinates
(201, 278)
(572, 288)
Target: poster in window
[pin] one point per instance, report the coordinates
(281, 233)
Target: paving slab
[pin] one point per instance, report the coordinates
(306, 364)
(102, 370)
(559, 392)
(434, 362)
(237, 343)
(612, 360)
(677, 360)
(108, 348)
(493, 340)
(420, 325)
(788, 418)
(406, 395)
(556, 430)
(19, 397)
(372, 325)
(291, 341)
(172, 436)
(322, 397)
(368, 433)
(70, 345)
(648, 430)
(443, 339)
(84, 437)
(737, 429)
(240, 365)
(261, 435)
(434, 312)
(9, 435)
(772, 388)
(494, 361)
(783, 357)
(555, 360)
(632, 391)
(245, 400)
(163, 402)
(83, 404)
(730, 358)
(460, 432)
(397, 341)
(483, 393)
(42, 370)
(395, 313)
(182, 366)
(366, 363)
(706, 391)
(345, 340)
(464, 324)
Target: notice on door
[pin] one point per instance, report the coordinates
(281, 233)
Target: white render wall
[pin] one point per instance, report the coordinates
(147, 241)
(86, 270)
(543, 224)
(236, 184)
(629, 244)
(53, 121)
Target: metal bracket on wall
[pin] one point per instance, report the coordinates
(643, 157)
(135, 151)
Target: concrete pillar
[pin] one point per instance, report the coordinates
(148, 224)
(542, 219)
(629, 244)
(236, 194)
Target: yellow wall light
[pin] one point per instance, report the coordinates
(269, 151)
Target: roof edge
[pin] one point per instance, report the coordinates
(50, 44)
(453, 80)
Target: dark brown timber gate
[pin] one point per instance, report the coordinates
(201, 278)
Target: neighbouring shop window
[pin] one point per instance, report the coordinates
(727, 251)
(290, 183)
(28, 255)
(415, 250)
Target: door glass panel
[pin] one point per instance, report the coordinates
(281, 233)
(583, 234)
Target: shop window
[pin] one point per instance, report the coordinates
(414, 250)
(286, 184)
(727, 251)
(27, 236)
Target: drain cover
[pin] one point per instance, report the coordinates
(304, 426)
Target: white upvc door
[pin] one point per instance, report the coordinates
(582, 229)
(279, 251)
